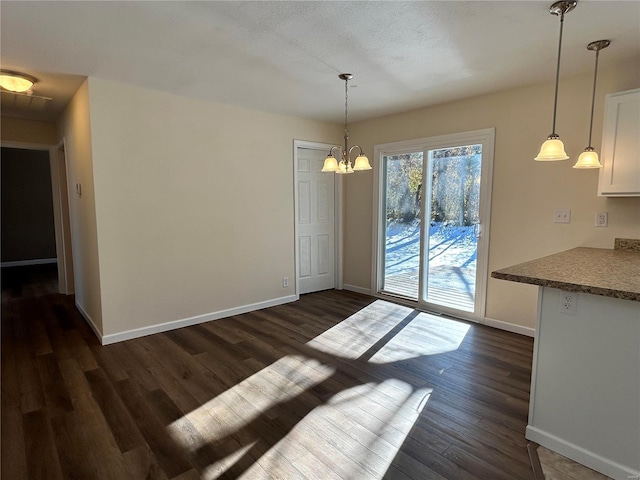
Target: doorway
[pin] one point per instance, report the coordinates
(54, 186)
(317, 220)
(432, 220)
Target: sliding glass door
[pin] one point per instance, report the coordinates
(432, 210)
(402, 223)
(451, 246)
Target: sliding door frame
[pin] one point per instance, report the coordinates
(485, 137)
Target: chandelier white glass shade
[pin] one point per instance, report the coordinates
(589, 158)
(16, 82)
(553, 149)
(344, 165)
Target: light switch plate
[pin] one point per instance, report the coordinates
(562, 215)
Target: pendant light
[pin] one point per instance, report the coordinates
(589, 158)
(344, 166)
(553, 148)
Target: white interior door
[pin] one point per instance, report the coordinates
(315, 234)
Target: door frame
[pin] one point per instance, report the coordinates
(337, 206)
(61, 214)
(486, 137)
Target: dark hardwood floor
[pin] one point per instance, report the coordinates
(335, 386)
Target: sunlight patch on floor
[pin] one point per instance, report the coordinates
(349, 429)
(273, 385)
(425, 334)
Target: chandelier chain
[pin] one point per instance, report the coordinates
(346, 103)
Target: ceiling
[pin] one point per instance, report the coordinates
(285, 57)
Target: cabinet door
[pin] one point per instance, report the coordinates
(620, 175)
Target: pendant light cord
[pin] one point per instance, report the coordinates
(346, 131)
(593, 97)
(555, 98)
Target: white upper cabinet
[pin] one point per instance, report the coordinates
(620, 174)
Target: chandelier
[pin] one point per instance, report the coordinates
(331, 164)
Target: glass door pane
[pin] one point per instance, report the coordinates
(451, 239)
(402, 223)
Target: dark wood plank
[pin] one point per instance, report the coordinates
(481, 467)
(26, 365)
(13, 455)
(39, 448)
(143, 464)
(110, 362)
(80, 351)
(122, 426)
(71, 440)
(10, 347)
(98, 438)
(167, 453)
(57, 395)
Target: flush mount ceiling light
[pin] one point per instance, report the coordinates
(553, 148)
(344, 166)
(16, 82)
(589, 158)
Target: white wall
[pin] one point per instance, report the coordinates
(74, 127)
(194, 204)
(525, 192)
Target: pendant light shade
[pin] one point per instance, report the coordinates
(362, 163)
(330, 164)
(589, 158)
(344, 166)
(553, 148)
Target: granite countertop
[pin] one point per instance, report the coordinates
(599, 271)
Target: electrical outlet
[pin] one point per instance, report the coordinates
(568, 303)
(602, 219)
(285, 282)
(562, 215)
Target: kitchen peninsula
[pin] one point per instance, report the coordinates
(585, 385)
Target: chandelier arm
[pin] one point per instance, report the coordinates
(351, 149)
(331, 151)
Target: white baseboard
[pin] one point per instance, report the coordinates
(490, 322)
(585, 457)
(186, 322)
(89, 320)
(354, 288)
(24, 263)
(509, 327)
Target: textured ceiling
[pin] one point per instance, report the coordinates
(284, 57)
